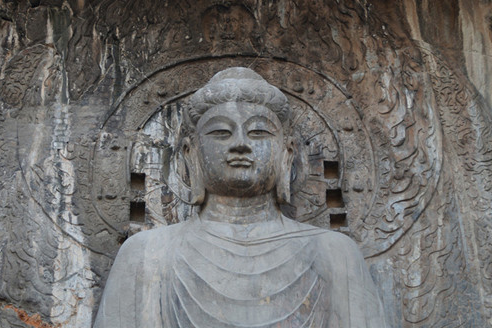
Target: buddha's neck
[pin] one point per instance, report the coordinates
(240, 210)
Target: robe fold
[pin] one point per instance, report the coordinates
(219, 275)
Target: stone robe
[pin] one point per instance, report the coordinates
(218, 275)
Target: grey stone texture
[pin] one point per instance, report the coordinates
(391, 117)
(238, 262)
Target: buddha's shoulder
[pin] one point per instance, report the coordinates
(151, 240)
(336, 241)
(333, 245)
(328, 237)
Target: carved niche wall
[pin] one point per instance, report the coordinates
(392, 145)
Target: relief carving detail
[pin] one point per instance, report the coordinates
(237, 261)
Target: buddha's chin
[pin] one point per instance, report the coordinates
(238, 187)
(241, 183)
(243, 187)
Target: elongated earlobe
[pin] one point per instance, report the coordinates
(283, 178)
(196, 177)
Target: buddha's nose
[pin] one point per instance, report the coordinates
(240, 145)
(241, 149)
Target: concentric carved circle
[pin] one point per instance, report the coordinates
(344, 158)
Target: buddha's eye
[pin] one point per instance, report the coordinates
(220, 133)
(259, 133)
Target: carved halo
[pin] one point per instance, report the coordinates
(336, 181)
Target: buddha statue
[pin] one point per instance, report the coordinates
(239, 262)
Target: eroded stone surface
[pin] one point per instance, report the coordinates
(237, 261)
(392, 109)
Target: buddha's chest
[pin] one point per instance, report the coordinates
(217, 283)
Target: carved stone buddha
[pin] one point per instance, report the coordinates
(239, 262)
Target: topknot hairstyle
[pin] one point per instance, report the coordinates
(238, 84)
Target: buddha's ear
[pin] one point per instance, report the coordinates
(195, 172)
(283, 178)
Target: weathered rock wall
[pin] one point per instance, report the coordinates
(392, 120)
(461, 31)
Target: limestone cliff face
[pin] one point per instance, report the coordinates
(461, 31)
(392, 104)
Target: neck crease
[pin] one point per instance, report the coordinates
(240, 210)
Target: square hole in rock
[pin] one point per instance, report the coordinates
(137, 211)
(338, 220)
(330, 169)
(334, 199)
(137, 181)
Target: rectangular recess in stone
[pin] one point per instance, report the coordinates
(137, 211)
(330, 169)
(334, 199)
(338, 220)
(137, 181)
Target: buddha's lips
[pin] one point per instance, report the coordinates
(239, 161)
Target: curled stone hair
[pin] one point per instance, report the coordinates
(238, 84)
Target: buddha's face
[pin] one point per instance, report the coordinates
(239, 149)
